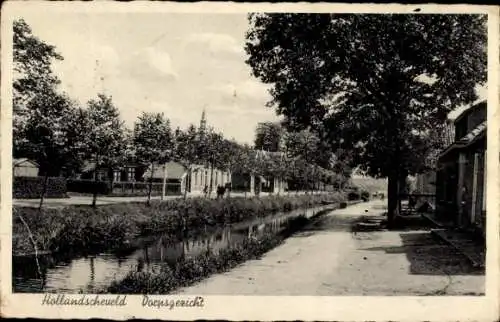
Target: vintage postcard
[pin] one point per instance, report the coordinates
(249, 161)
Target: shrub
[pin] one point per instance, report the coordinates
(32, 187)
(83, 228)
(191, 270)
(89, 186)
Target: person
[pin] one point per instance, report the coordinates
(205, 191)
(220, 191)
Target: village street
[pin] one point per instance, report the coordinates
(326, 258)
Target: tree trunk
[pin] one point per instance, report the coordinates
(44, 190)
(164, 185)
(392, 198)
(402, 188)
(150, 188)
(190, 178)
(96, 171)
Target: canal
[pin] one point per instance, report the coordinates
(87, 274)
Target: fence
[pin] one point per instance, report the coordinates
(122, 188)
(142, 188)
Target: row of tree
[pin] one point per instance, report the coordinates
(61, 135)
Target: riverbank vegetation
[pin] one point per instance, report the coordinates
(193, 269)
(115, 226)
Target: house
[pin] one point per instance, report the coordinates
(25, 168)
(461, 172)
(194, 178)
(129, 172)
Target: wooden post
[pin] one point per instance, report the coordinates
(460, 184)
(474, 189)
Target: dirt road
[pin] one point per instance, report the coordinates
(326, 258)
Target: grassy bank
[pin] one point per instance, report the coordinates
(191, 270)
(83, 228)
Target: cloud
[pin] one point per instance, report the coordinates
(216, 42)
(150, 64)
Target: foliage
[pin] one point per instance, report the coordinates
(31, 187)
(153, 139)
(186, 146)
(268, 136)
(79, 228)
(153, 142)
(374, 84)
(32, 59)
(192, 269)
(106, 133)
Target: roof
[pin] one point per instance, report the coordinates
(476, 134)
(18, 162)
(175, 170)
(468, 110)
(262, 154)
(90, 166)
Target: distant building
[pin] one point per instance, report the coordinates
(179, 177)
(129, 172)
(461, 172)
(243, 180)
(25, 168)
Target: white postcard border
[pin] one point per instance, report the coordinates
(260, 307)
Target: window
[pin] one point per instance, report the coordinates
(196, 178)
(116, 175)
(131, 174)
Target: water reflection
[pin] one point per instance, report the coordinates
(94, 272)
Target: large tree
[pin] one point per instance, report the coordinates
(153, 143)
(373, 83)
(32, 75)
(45, 121)
(187, 148)
(106, 135)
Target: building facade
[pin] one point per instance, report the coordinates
(25, 168)
(461, 172)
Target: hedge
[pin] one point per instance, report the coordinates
(32, 187)
(114, 226)
(88, 186)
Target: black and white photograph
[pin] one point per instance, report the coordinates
(155, 153)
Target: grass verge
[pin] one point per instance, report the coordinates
(83, 229)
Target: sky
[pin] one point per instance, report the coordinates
(175, 63)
